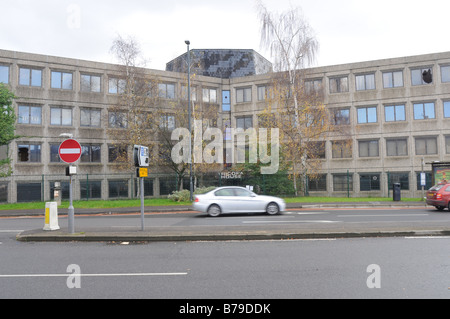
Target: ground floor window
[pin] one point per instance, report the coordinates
(342, 182)
(118, 188)
(29, 192)
(369, 182)
(402, 178)
(91, 190)
(317, 184)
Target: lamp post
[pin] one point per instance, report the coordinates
(191, 185)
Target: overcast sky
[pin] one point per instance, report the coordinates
(347, 30)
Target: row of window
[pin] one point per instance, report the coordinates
(367, 182)
(63, 116)
(426, 145)
(64, 80)
(90, 153)
(390, 79)
(90, 189)
(392, 113)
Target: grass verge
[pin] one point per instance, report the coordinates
(96, 204)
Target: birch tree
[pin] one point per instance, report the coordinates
(294, 104)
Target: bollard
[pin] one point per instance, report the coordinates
(51, 216)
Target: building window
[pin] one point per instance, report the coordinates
(29, 192)
(397, 147)
(339, 84)
(90, 83)
(424, 111)
(60, 116)
(90, 153)
(428, 179)
(341, 117)
(447, 145)
(148, 186)
(417, 76)
(62, 80)
(445, 74)
(426, 146)
(117, 86)
(184, 92)
(261, 93)
(54, 153)
(118, 120)
(447, 109)
(30, 115)
(369, 182)
(318, 184)
(341, 149)
(368, 148)
(4, 74)
(90, 189)
(90, 117)
(393, 79)
(402, 178)
(343, 182)
(118, 188)
(29, 153)
(209, 95)
(167, 122)
(117, 154)
(243, 95)
(245, 122)
(30, 77)
(166, 91)
(395, 113)
(367, 115)
(316, 150)
(365, 82)
(313, 86)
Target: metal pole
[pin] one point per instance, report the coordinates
(142, 202)
(71, 213)
(191, 186)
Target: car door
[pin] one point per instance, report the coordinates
(225, 199)
(246, 201)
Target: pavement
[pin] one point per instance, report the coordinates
(221, 233)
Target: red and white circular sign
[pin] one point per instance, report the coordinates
(70, 151)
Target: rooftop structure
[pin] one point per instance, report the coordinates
(222, 63)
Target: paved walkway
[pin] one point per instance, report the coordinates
(216, 233)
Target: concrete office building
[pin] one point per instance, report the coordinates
(397, 120)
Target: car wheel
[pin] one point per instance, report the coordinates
(449, 206)
(273, 209)
(214, 210)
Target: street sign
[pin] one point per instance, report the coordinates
(70, 151)
(142, 172)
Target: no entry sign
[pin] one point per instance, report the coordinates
(70, 151)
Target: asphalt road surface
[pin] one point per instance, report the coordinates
(403, 267)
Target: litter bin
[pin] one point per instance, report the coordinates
(397, 192)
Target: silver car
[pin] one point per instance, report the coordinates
(234, 199)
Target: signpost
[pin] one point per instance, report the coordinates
(141, 161)
(70, 152)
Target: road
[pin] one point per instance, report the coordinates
(405, 267)
(408, 268)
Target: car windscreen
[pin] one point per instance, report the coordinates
(437, 187)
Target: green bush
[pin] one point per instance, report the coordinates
(183, 196)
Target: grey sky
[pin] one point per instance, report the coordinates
(347, 30)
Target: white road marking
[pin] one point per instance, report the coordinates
(384, 215)
(96, 275)
(289, 221)
(11, 231)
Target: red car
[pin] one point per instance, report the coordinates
(439, 196)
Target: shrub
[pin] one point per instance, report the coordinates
(183, 196)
